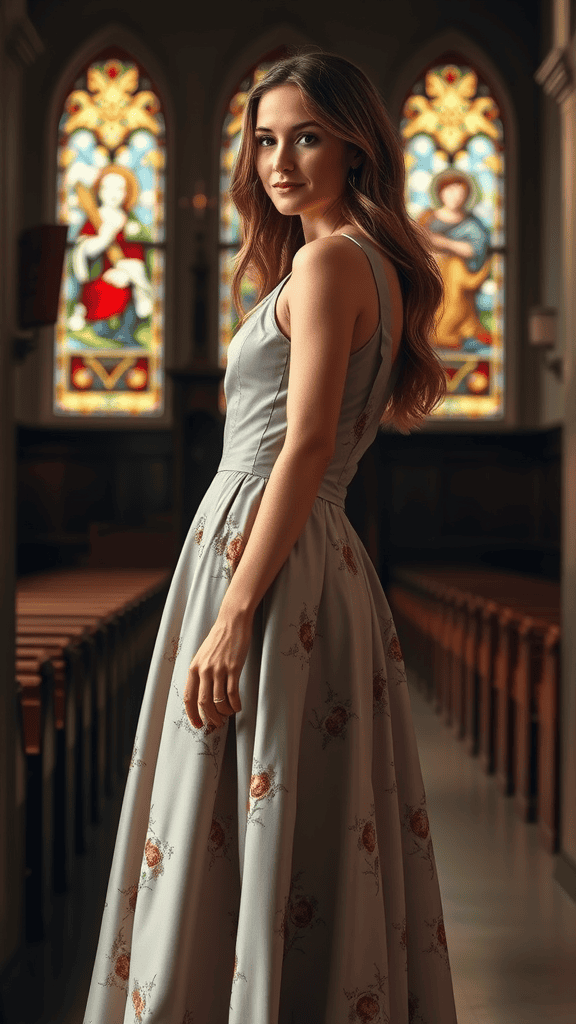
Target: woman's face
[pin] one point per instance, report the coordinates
(454, 196)
(291, 148)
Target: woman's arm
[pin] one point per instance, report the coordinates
(324, 305)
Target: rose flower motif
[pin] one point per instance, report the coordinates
(394, 649)
(132, 896)
(306, 634)
(122, 966)
(419, 823)
(259, 785)
(349, 558)
(139, 1003)
(367, 1008)
(217, 836)
(369, 837)
(336, 720)
(152, 853)
(198, 535)
(302, 912)
(378, 686)
(234, 550)
(441, 933)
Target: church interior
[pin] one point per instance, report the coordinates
(119, 127)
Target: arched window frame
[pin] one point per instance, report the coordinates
(112, 35)
(454, 42)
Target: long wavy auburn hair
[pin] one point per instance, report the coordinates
(342, 100)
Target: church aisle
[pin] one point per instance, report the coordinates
(511, 928)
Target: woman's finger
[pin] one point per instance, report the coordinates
(191, 698)
(206, 704)
(234, 694)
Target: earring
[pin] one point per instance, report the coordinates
(352, 177)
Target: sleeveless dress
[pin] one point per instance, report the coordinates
(279, 870)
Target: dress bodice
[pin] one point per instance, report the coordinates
(256, 389)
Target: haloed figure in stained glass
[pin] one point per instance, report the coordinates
(110, 269)
(460, 244)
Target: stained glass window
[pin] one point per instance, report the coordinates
(455, 162)
(109, 338)
(230, 239)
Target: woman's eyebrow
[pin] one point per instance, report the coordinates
(295, 127)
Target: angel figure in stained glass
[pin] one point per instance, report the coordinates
(115, 290)
(460, 243)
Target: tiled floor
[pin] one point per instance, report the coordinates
(511, 928)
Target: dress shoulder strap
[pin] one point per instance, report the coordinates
(386, 377)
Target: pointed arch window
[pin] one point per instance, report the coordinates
(453, 140)
(109, 338)
(229, 231)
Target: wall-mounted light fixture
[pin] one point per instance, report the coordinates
(542, 333)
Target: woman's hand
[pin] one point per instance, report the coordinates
(215, 671)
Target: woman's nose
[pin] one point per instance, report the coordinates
(282, 159)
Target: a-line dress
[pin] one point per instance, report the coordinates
(279, 870)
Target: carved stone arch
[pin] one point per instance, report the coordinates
(454, 42)
(112, 35)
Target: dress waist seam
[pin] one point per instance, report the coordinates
(252, 472)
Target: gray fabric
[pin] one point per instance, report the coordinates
(279, 870)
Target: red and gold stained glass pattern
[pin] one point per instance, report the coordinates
(455, 165)
(109, 338)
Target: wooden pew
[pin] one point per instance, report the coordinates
(83, 642)
(495, 674)
(38, 734)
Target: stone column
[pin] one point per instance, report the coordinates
(557, 78)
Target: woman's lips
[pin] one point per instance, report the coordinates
(287, 188)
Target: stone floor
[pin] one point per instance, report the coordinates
(511, 928)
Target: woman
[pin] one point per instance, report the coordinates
(274, 862)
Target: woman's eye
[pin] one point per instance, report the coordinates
(268, 138)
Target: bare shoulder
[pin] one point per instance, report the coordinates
(325, 267)
(332, 254)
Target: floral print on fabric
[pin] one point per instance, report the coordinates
(367, 843)
(415, 823)
(175, 648)
(208, 744)
(380, 705)
(414, 1014)
(263, 789)
(332, 723)
(403, 940)
(306, 634)
(140, 996)
(229, 545)
(135, 761)
(199, 530)
(298, 916)
(438, 942)
(119, 957)
(220, 839)
(236, 976)
(155, 852)
(393, 650)
(348, 562)
(367, 1005)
